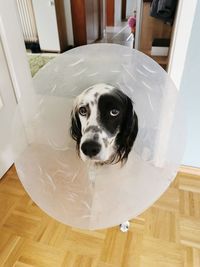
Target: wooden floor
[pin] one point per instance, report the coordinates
(166, 235)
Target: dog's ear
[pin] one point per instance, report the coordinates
(75, 129)
(128, 132)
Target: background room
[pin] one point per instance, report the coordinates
(32, 34)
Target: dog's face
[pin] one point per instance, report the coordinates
(104, 124)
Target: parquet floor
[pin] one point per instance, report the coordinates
(166, 235)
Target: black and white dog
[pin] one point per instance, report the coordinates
(104, 124)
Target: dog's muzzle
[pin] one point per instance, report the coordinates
(91, 148)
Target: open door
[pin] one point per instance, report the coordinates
(87, 21)
(15, 77)
(8, 105)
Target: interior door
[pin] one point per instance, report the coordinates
(7, 109)
(110, 12)
(87, 20)
(15, 77)
(45, 14)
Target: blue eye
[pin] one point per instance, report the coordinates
(83, 111)
(114, 112)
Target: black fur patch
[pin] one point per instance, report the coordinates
(75, 129)
(108, 102)
(125, 125)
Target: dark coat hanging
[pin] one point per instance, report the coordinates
(164, 10)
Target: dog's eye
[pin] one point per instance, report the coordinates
(83, 111)
(114, 112)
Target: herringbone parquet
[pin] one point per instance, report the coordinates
(165, 235)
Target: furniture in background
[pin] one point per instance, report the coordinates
(151, 29)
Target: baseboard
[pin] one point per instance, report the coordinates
(189, 170)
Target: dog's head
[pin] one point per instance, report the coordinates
(104, 124)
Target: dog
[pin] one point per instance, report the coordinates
(103, 124)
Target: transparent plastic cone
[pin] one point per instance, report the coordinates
(79, 193)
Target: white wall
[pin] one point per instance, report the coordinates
(190, 89)
(104, 15)
(139, 8)
(131, 5)
(183, 26)
(68, 18)
(118, 11)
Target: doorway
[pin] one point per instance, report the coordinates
(87, 21)
(117, 29)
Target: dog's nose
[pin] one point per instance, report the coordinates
(91, 148)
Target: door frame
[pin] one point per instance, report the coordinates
(8, 107)
(79, 21)
(180, 39)
(123, 13)
(110, 13)
(139, 7)
(14, 48)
